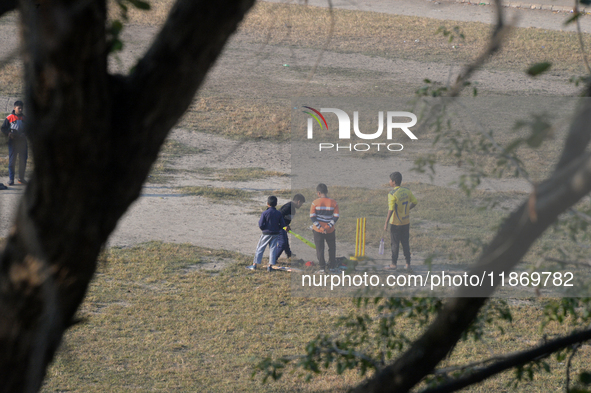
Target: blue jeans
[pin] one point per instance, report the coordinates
(271, 240)
(283, 244)
(17, 147)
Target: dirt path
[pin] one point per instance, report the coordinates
(464, 12)
(163, 214)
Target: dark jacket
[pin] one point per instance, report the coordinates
(271, 221)
(288, 212)
(13, 127)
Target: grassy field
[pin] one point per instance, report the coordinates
(218, 194)
(156, 321)
(446, 223)
(263, 113)
(394, 36)
(238, 174)
(164, 317)
(408, 37)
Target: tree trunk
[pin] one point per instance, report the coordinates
(94, 138)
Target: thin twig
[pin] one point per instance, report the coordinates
(337, 350)
(356, 354)
(500, 32)
(324, 49)
(580, 35)
(481, 130)
(575, 263)
(447, 370)
(513, 360)
(580, 214)
(568, 363)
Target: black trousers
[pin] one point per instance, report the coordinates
(330, 238)
(400, 234)
(17, 147)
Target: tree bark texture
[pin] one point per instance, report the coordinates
(94, 138)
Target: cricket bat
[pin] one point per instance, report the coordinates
(303, 239)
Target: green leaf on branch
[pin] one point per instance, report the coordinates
(585, 378)
(140, 5)
(573, 18)
(116, 45)
(538, 68)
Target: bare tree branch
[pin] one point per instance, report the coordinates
(501, 30)
(568, 364)
(503, 253)
(580, 35)
(324, 48)
(178, 62)
(510, 244)
(450, 369)
(513, 360)
(578, 136)
(575, 263)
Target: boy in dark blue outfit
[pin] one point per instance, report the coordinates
(271, 222)
(288, 210)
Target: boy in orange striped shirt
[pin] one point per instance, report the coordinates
(324, 214)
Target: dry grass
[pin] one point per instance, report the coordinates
(154, 17)
(238, 174)
(155, 321)
(217, 194)
(446, 223)
(392, 36)
(389, 36)
(161, 170)
(264, 113)
(238, 118)
(11, 83)
(407, 37)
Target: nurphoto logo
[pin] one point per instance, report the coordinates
(344, 130)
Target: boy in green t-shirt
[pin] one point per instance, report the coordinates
(400, 202)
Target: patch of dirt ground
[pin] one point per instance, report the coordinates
(248, 70)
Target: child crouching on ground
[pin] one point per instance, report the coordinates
(271, 223)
